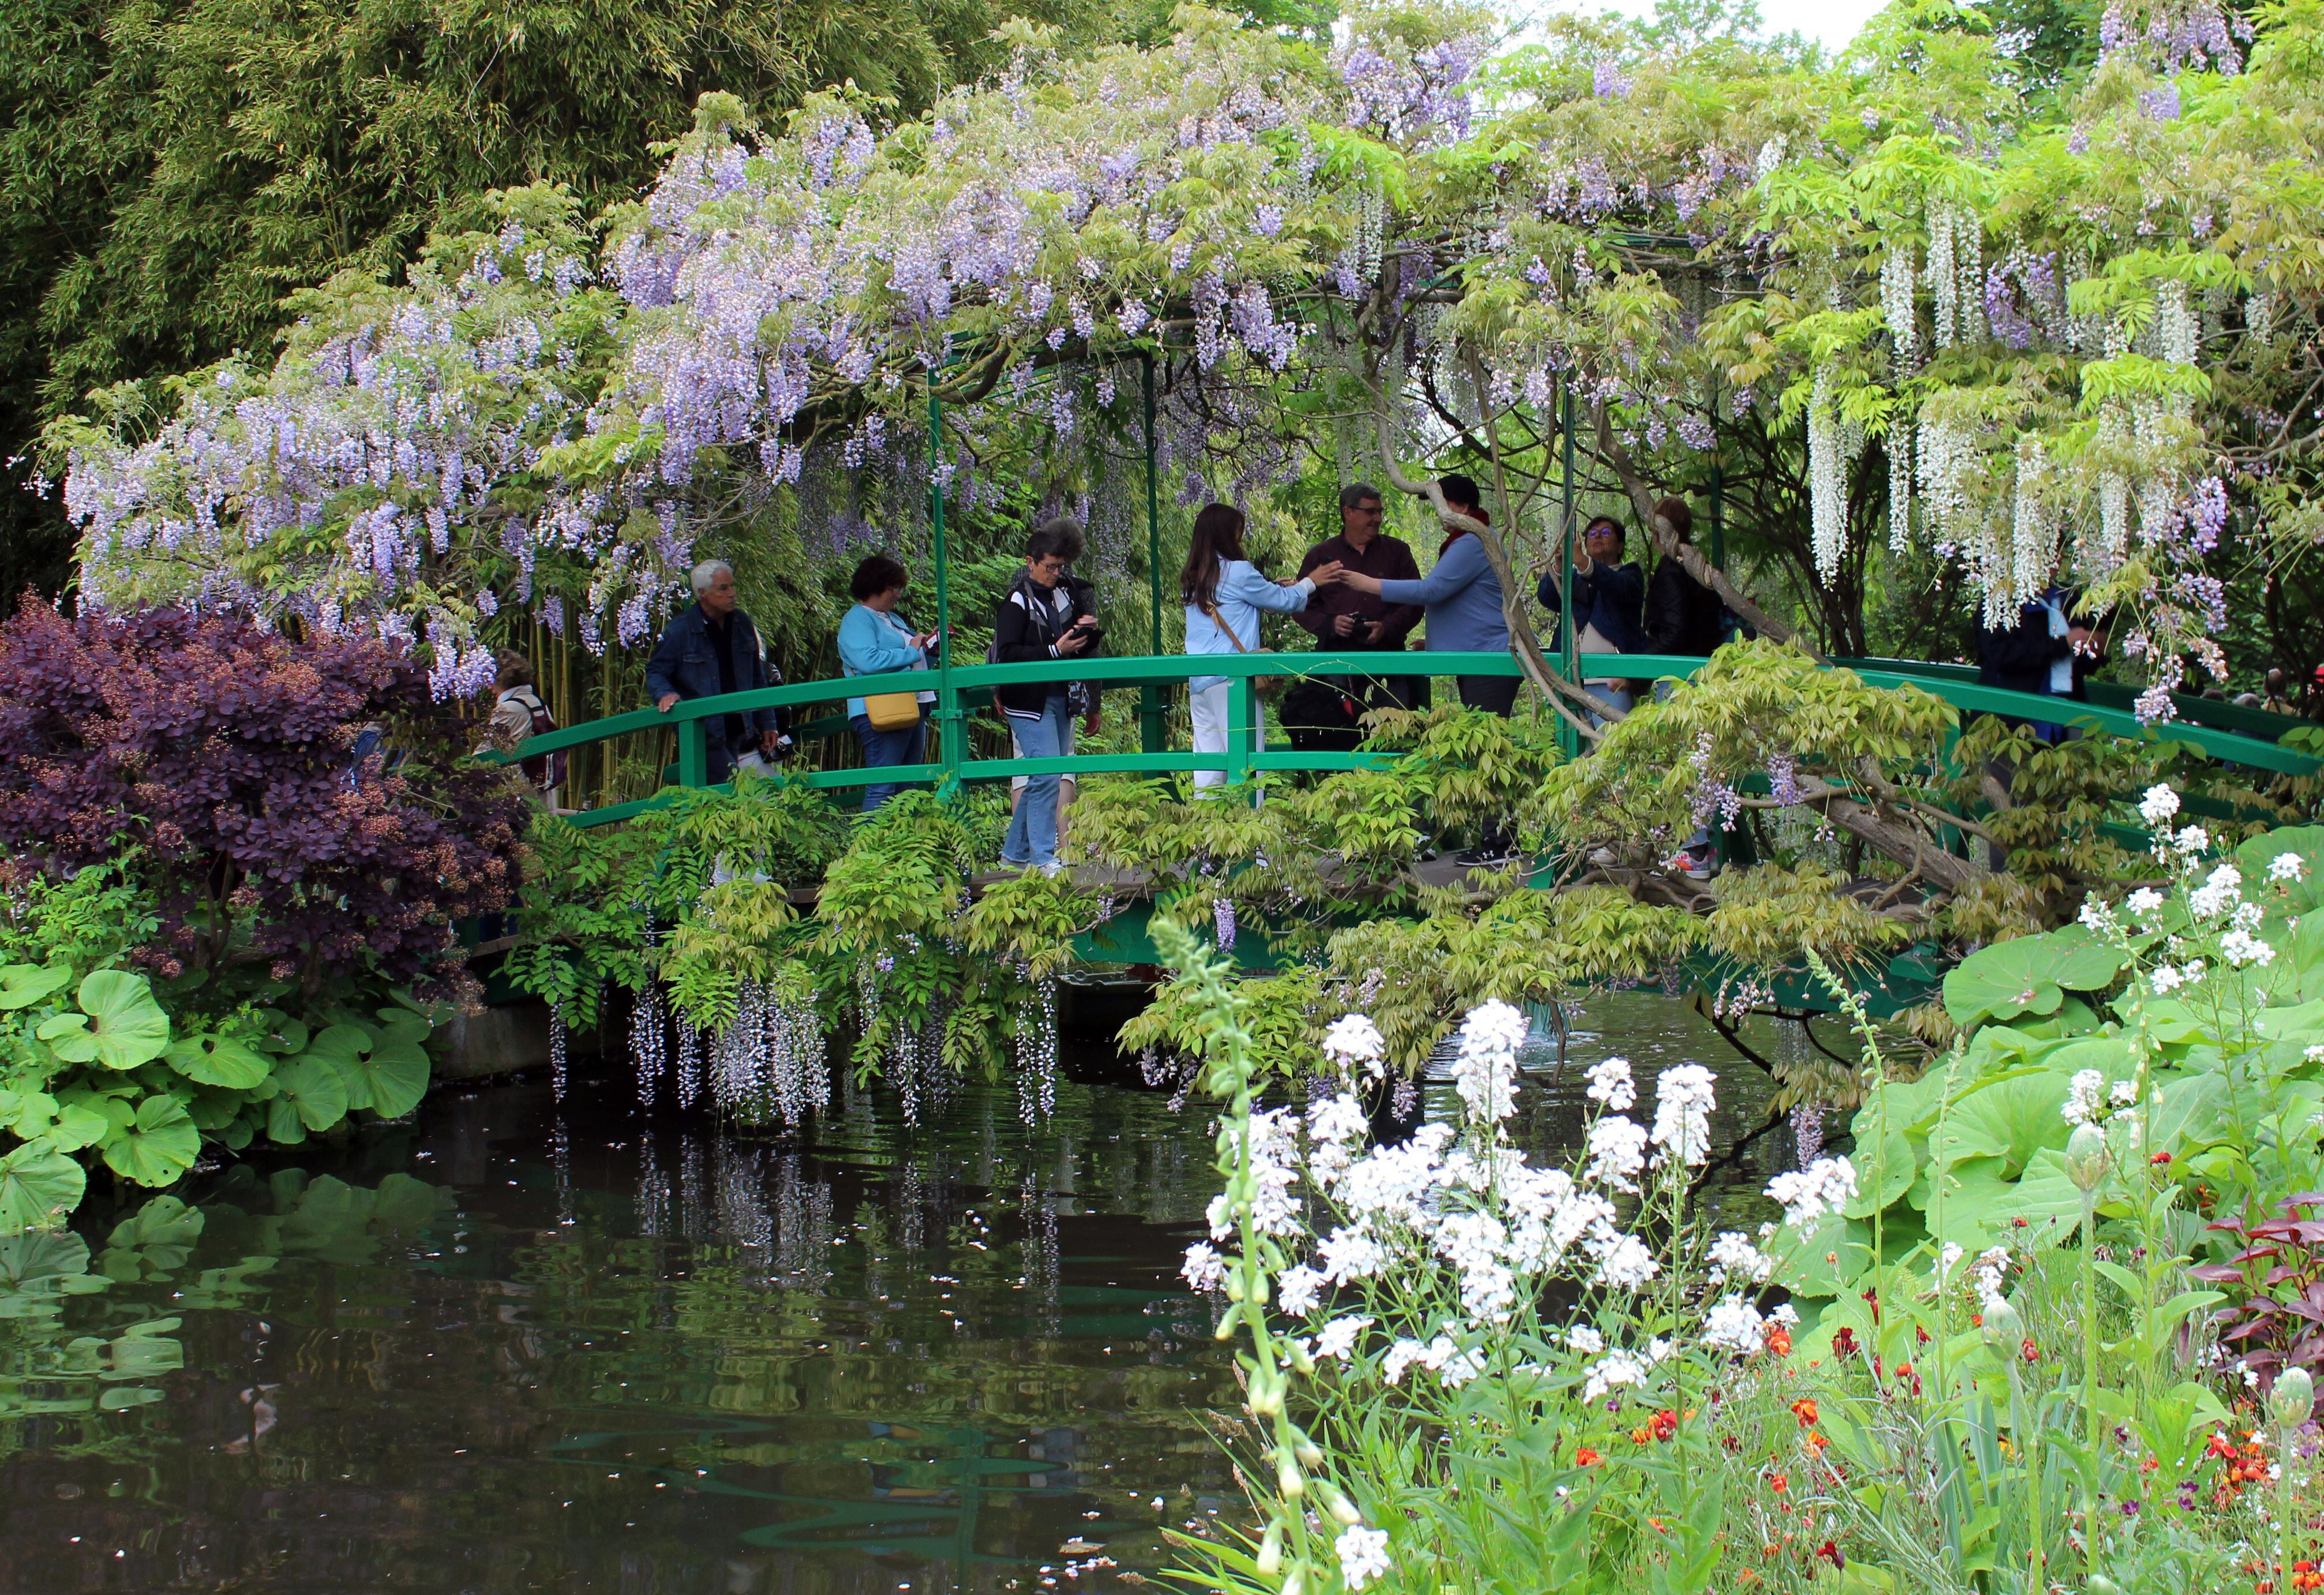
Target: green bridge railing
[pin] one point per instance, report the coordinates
(2238, 736)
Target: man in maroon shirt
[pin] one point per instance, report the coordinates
(1323, 713)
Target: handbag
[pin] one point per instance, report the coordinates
(1268, 685)
(892, 711)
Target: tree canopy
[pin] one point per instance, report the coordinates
(2012, 330)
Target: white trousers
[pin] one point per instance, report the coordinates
(1210, 707)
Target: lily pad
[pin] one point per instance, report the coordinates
(24, 984)
(119, 1026)
(39, 1186)
(219, 1060)
(2030, 974)
(159, 1145)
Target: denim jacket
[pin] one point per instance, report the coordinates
(685, 663)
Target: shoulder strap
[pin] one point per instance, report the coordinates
(1211, 609)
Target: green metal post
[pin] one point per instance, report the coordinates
(693, 753)
(1569, 740)
(949, 717)
(1242, 721)
(1149, 697)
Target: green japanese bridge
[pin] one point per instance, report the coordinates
(2247, 737)
(2240, 736)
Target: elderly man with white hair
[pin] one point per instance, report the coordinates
(712, 648)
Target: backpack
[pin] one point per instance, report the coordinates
(544, 770)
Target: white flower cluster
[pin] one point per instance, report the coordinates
(1986, 1275)
(1610, 1083)
(1363, 1555)
(1733, 1255)
(1683, 1098)
(1485, 1072)
(1734, 1324)
(1826, 1186)
(1355, 1044)
(1617, 1149)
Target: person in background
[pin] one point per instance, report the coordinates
(1608, 590)
(1323, 715)
(1085, 702)
(1461, 599)
(2045, 650)
(2278, 700)
(709, 648)
(519, 713)
(1035, 620)
(1681, 617)
(875, 640)
(1224, 594)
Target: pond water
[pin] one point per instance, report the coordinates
(506, 1346)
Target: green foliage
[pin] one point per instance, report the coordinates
(98, 1065)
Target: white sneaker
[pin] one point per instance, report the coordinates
(1602, 857)
(1053, 870)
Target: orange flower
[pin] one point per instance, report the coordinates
(1904, 1370)
(1779, 1340)
(1664, 1424)
(1640, 1436)
(1778, 1483)
(1805, 1409)
(1587, 1457)
(1817, 1441)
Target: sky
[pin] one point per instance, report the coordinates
(1832, 21)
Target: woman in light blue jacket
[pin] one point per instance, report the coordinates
(874, 640)
(1224, 596)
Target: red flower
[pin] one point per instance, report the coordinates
(2159, 1159)
(1805, 1409)
(1843, 1344)
(1779, 1340)
(1664, 1424)
(1587, 1457)
(1830, 1551)
(2032, 1352)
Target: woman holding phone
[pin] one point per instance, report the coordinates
(874, 640)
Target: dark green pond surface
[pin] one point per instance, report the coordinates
(505, 1347)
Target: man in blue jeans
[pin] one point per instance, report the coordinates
(1035, 620)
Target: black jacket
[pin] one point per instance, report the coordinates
(2020, 657)
(1607, 598)
(686, 662)
(1683, 616)
(1025, 626)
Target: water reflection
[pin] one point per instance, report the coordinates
(499, 1349)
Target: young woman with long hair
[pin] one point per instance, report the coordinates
(1224, 594)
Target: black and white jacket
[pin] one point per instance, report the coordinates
(1026, 627)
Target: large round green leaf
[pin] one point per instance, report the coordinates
(24, 984)
(313, 1094)
(278, 1032)
(39, 1186)
(161, 1144)
(120, 1026)
(2030, 974)
(391, 1079)
(2285, 899)
(2012, 1119)
(219, 1060)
